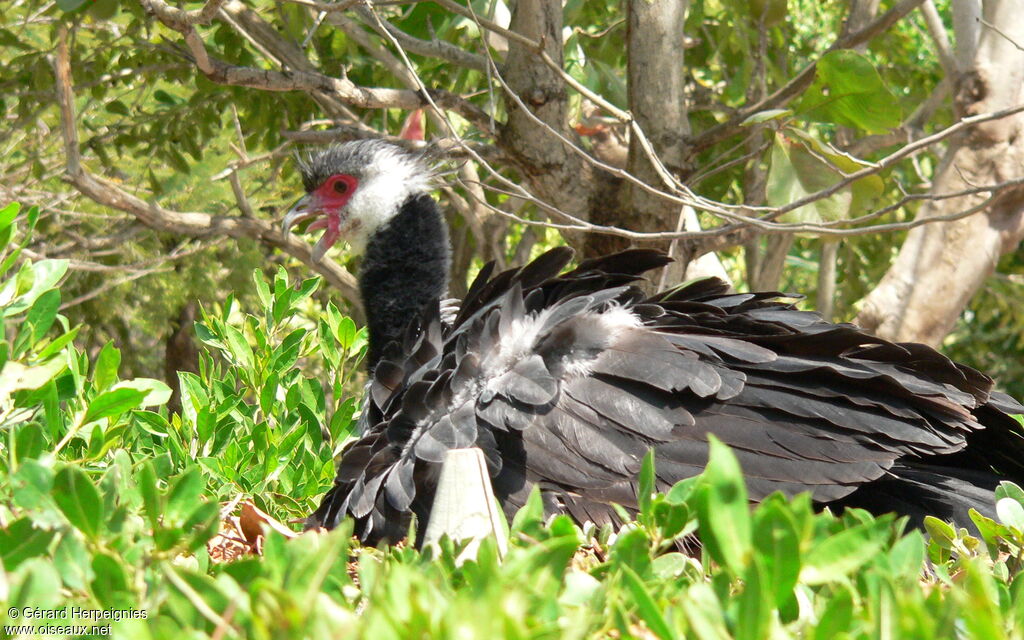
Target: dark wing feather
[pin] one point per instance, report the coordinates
(565, 382)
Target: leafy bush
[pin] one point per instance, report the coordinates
(108, 503)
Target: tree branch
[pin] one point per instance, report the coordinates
(431, 48)
(937, 31)
(309, 81)
(198, 225)
(802, 80)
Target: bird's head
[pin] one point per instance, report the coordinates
(355, 188)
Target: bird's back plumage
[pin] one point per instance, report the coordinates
(566, 381)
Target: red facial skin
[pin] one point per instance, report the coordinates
(326, 202)
(332, 195)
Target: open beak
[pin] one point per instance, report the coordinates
(310, 207)
(307, 208)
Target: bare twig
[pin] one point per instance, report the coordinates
(198, 225)
(181, 20)
(161, 266)
(895, 157)
(432, 48)
(1006, 37)
(937, 31)
(296, 80)
(803, 79)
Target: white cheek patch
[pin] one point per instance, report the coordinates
(392, 178)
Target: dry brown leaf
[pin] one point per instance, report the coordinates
(252, 520)
(242, 535)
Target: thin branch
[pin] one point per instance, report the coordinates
(181, 20)
(619, 114)
(802, 80)
(431, 48)
(1006, 37)
(151, 214)
(95, 267)
(710, 171)
(895, 157)
(740, 218)
(730, 234)
(937, 31)
(160, 267)
(345, 5)
(297, 80)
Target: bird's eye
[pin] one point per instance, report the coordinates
(340, 186)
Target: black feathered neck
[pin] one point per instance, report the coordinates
(405, 267)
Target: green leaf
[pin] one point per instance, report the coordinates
(754, 614)
(105, 370)
(113, 403)
(580, 589)
(941, 532)
(72, 561)
(778, 545)
(69, 5)
(31, 486)
(306, 289)
(906, 557)
(847, 90)
(153, 423)
(837, 556)
(981, 613)
(802, 165)
(8, 214)
(42, 314)
(155, 392)
(648, 610)
(167, 99)
(202, 525)
(671, 519)
(31, 441)
(193, 395)
(151, 502)
(771, 12)
(531, 515)
(837, 616)
(645, 482)
(1011, 513)
(765, 116)
(16, 376)
(1007, 489)
(239, 347)
(722, 508)
(704, 613)
(633, 549)
(58, 344)
(79, 500)
(43, 275)
(110, 583)
(155, 185)
(103, 9)
(346, 332)
(262, 290)
(20, 540)
(183, 497)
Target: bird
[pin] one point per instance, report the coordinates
(566, 378)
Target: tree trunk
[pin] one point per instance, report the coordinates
(555, 173)
(941, 265)
(657, 81)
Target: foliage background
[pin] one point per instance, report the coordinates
(151, 123)
(113, 493)
(111, 504)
